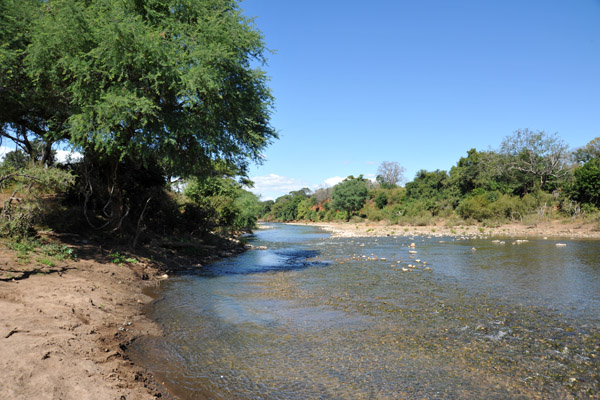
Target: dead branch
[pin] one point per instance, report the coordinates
(138, 230)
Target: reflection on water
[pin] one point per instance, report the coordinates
(314, 317)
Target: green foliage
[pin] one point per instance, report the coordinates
(15, 161)
(248, 207)
(24, 208)
(58, 251)
(587, 182)
(305, 209)
(265, 208)
(479, 170)
(588, 152)
(46, 261)
(350, 195)
(221, 202)
(428, 185)
(23, 246)
(288, 207)
(146, 80)
(493, 206)
(47, 253)
(381, 200)
(537, 155)
(146, 89)
(118, 258)
(489, 187)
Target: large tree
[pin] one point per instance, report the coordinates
(350, 195)
(161, 84)
(157, 80)
(539, 155)
(390, 174)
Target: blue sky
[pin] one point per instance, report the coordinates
(420, 82)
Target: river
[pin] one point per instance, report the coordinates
(317, 317)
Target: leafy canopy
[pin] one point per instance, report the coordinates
(587, 182)
(350, 195)
(538, 155)
(588, 152)
(167, 81)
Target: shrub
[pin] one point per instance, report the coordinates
(23, 209)
(587, 182)
(381, 200)
(477, 207)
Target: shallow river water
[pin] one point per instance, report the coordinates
(316, 317)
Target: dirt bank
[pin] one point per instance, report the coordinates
(65, 325)
(551, 229)
(63, 329)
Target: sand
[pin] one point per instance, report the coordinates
(64, 329)
(550, 229)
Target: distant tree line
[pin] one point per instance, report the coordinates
(531, 176)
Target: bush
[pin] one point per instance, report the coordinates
(23, 209)
(587, 182)
(493, 206)
(381, 200)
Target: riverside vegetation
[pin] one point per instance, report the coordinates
(163, 129)
(163, 105)
(532, 178)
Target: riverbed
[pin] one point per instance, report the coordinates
(310, 316)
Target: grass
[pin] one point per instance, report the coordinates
(59, 251)
(46, 261)
(22, 259)
(118, 258)
(47, 253)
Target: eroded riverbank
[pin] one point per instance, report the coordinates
(65, 325)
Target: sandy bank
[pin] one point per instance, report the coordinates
(549, 229)
(64, 328)
(63, 332)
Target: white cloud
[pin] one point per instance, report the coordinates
(329, 182)
(63, 155)
(3, 151)
(272, 186)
